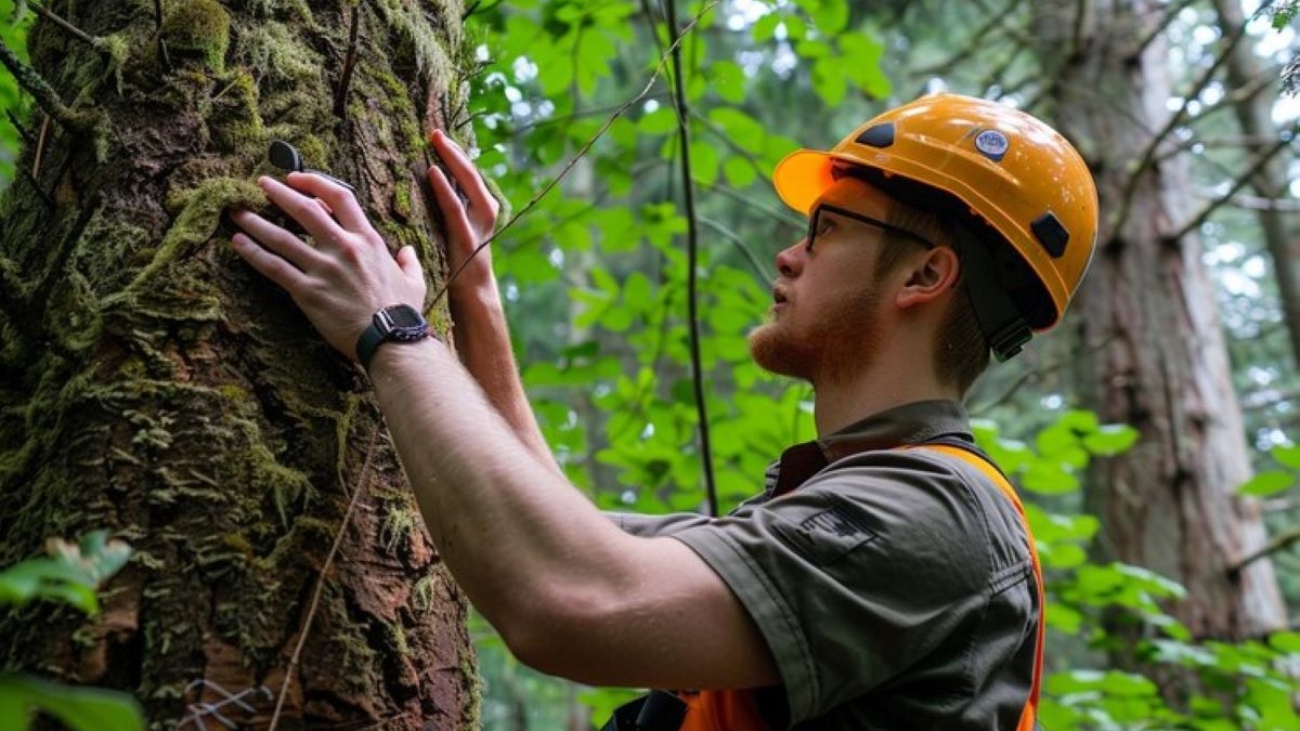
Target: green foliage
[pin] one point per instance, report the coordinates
(1122, 609)
(1267, 483)
(80, 709)
(69, 575)
(13, 34)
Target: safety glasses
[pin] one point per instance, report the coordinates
(814, 224)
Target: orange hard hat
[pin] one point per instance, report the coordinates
(1005, 168)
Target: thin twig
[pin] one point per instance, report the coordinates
(1175, 120)
(349, 65)
(162, 44)
(362, 479)
(1242, 181)
(53, 17)
(692, 257)
(36, 186)
(40, 147)
(1275, 544)
(25, 133)
(764, 276)
(442, 291)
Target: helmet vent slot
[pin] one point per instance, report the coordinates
(1050, 233)
(881, 135)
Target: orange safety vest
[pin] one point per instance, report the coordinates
(737, 710)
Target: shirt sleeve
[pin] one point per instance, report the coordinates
(854, 577)
(655, 526)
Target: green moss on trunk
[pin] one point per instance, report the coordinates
(153, 384)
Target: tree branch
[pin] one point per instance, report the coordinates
(1175, 120)
(1276, 543)
(1242, 181)
(692, 257)
(71, 29)
(46, 97)
(349, 65)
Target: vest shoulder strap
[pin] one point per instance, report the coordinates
(972, 456)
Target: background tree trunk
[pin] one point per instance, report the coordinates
(152, 383)
(1154, 353)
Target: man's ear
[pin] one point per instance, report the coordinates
(931, 277)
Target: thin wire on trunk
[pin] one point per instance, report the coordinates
(692, 256)
(360, 489)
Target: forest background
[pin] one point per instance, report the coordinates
(1173, 610)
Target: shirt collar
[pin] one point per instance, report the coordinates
(915, 423)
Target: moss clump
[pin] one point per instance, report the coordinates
(198, 219)
(234, 119)
(200, 28)
(118, 49)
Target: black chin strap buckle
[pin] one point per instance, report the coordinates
(1005, 329)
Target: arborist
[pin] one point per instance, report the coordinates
(885, 577)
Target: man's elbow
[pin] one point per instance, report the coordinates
(559, 635)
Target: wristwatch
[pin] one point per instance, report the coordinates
(394, 324)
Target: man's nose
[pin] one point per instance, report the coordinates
(789, 261)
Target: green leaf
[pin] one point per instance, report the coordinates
(1288, 642)
(861, 54)
(740, 172)
(81, 709)
(828, 80)
(1111, 439)
(831, 17)
(765, 27)
(704, 162)
(1048, 478)
(1287, 456)
(728, 81)
(661, 121)
(743, 130)
(1267, 483)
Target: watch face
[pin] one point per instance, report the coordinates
(404, 316)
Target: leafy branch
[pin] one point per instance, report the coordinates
(69, 575)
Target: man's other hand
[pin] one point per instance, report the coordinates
(469, 211)
(344, 274)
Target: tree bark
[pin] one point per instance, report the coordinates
(152, 383)
(1154, 352)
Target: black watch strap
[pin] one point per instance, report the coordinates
(370, 340)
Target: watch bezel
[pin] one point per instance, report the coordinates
(392, 328)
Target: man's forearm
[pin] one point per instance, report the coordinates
(483, 344)
(510, 530)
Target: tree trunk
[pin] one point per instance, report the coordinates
(1154, 353)
(150, 382)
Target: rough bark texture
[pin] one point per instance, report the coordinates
(1154, 350)
(151, 383)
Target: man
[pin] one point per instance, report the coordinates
(885, 578)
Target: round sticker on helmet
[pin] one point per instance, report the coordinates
(993, 144)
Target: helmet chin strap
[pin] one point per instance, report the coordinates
(1005, 329)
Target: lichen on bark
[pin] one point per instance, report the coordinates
(152, 384)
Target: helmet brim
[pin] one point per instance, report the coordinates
(803, 177)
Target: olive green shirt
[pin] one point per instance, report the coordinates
(894, 587)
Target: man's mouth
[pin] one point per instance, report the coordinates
(778, 296)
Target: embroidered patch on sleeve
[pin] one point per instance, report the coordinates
(829, 534)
